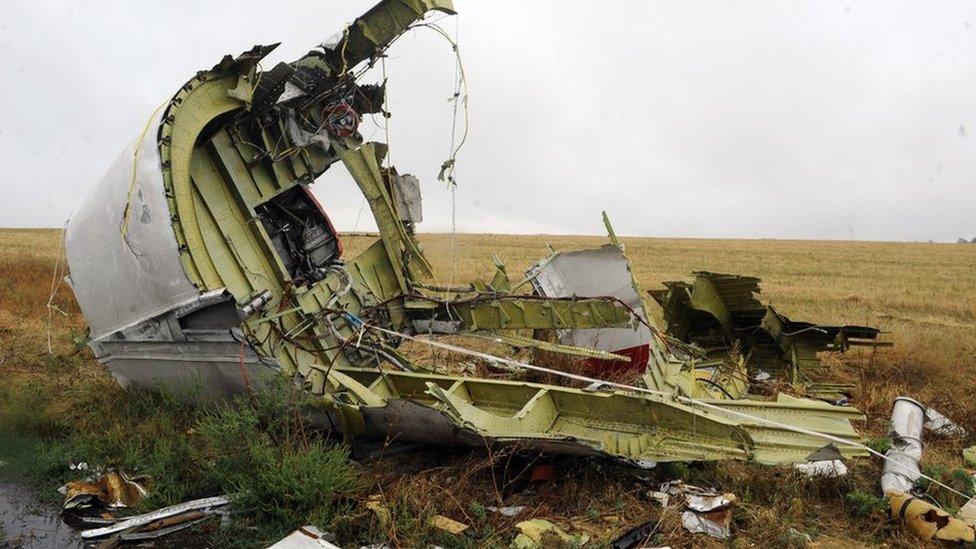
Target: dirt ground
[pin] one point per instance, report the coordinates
(923, 295)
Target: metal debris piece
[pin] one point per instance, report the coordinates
(824, 463)
(603, 271)
(139, 520)
(306, 537)
(929, 521)
(901, 470)
(714, 523)
(228, 274)
(822, 469)
(967, 513)
(941, 425)
(707, 510)
(507, 511)
(166, 526)
(448, 524)
(112, 489)
(540, 533)
(717, 312)
(636, 536)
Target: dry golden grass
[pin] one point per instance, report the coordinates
(924, 295)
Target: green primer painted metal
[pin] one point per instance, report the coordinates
(522, 342)
(214, 183)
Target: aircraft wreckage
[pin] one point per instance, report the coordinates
(203, 260)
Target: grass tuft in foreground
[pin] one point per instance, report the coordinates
(259, 449)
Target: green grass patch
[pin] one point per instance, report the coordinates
(260, 449)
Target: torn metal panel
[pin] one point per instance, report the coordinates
(146, 275)
(406, 191)
(719, 314)
(603, 272)
(594, 273)
(635, 427)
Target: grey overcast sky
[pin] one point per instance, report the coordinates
(783, 119)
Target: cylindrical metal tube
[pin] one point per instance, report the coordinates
(901, 468)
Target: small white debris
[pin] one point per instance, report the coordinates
(822, 469)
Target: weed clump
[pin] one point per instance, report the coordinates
(258, 449)
(279, 475)
(863, 503)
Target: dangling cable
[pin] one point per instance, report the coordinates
(56, 278)
(124, 227)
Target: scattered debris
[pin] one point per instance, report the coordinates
(540, 533)
(205, 505)
(941, 425)
(508, 511)
(112, 489)
(636, 536)
(306, 537)
(716, 312)
(706, 510)
(448, 524)
(823, 469)
(824, 463)
(375, 504)
(901, 472)
(928, 521)
(714, 523)
(901, 469)
(166, 526)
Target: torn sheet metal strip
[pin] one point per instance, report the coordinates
(193, 520)
(139, 520)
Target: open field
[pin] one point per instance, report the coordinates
(923, 295)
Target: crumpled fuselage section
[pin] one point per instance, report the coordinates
(220, 272)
